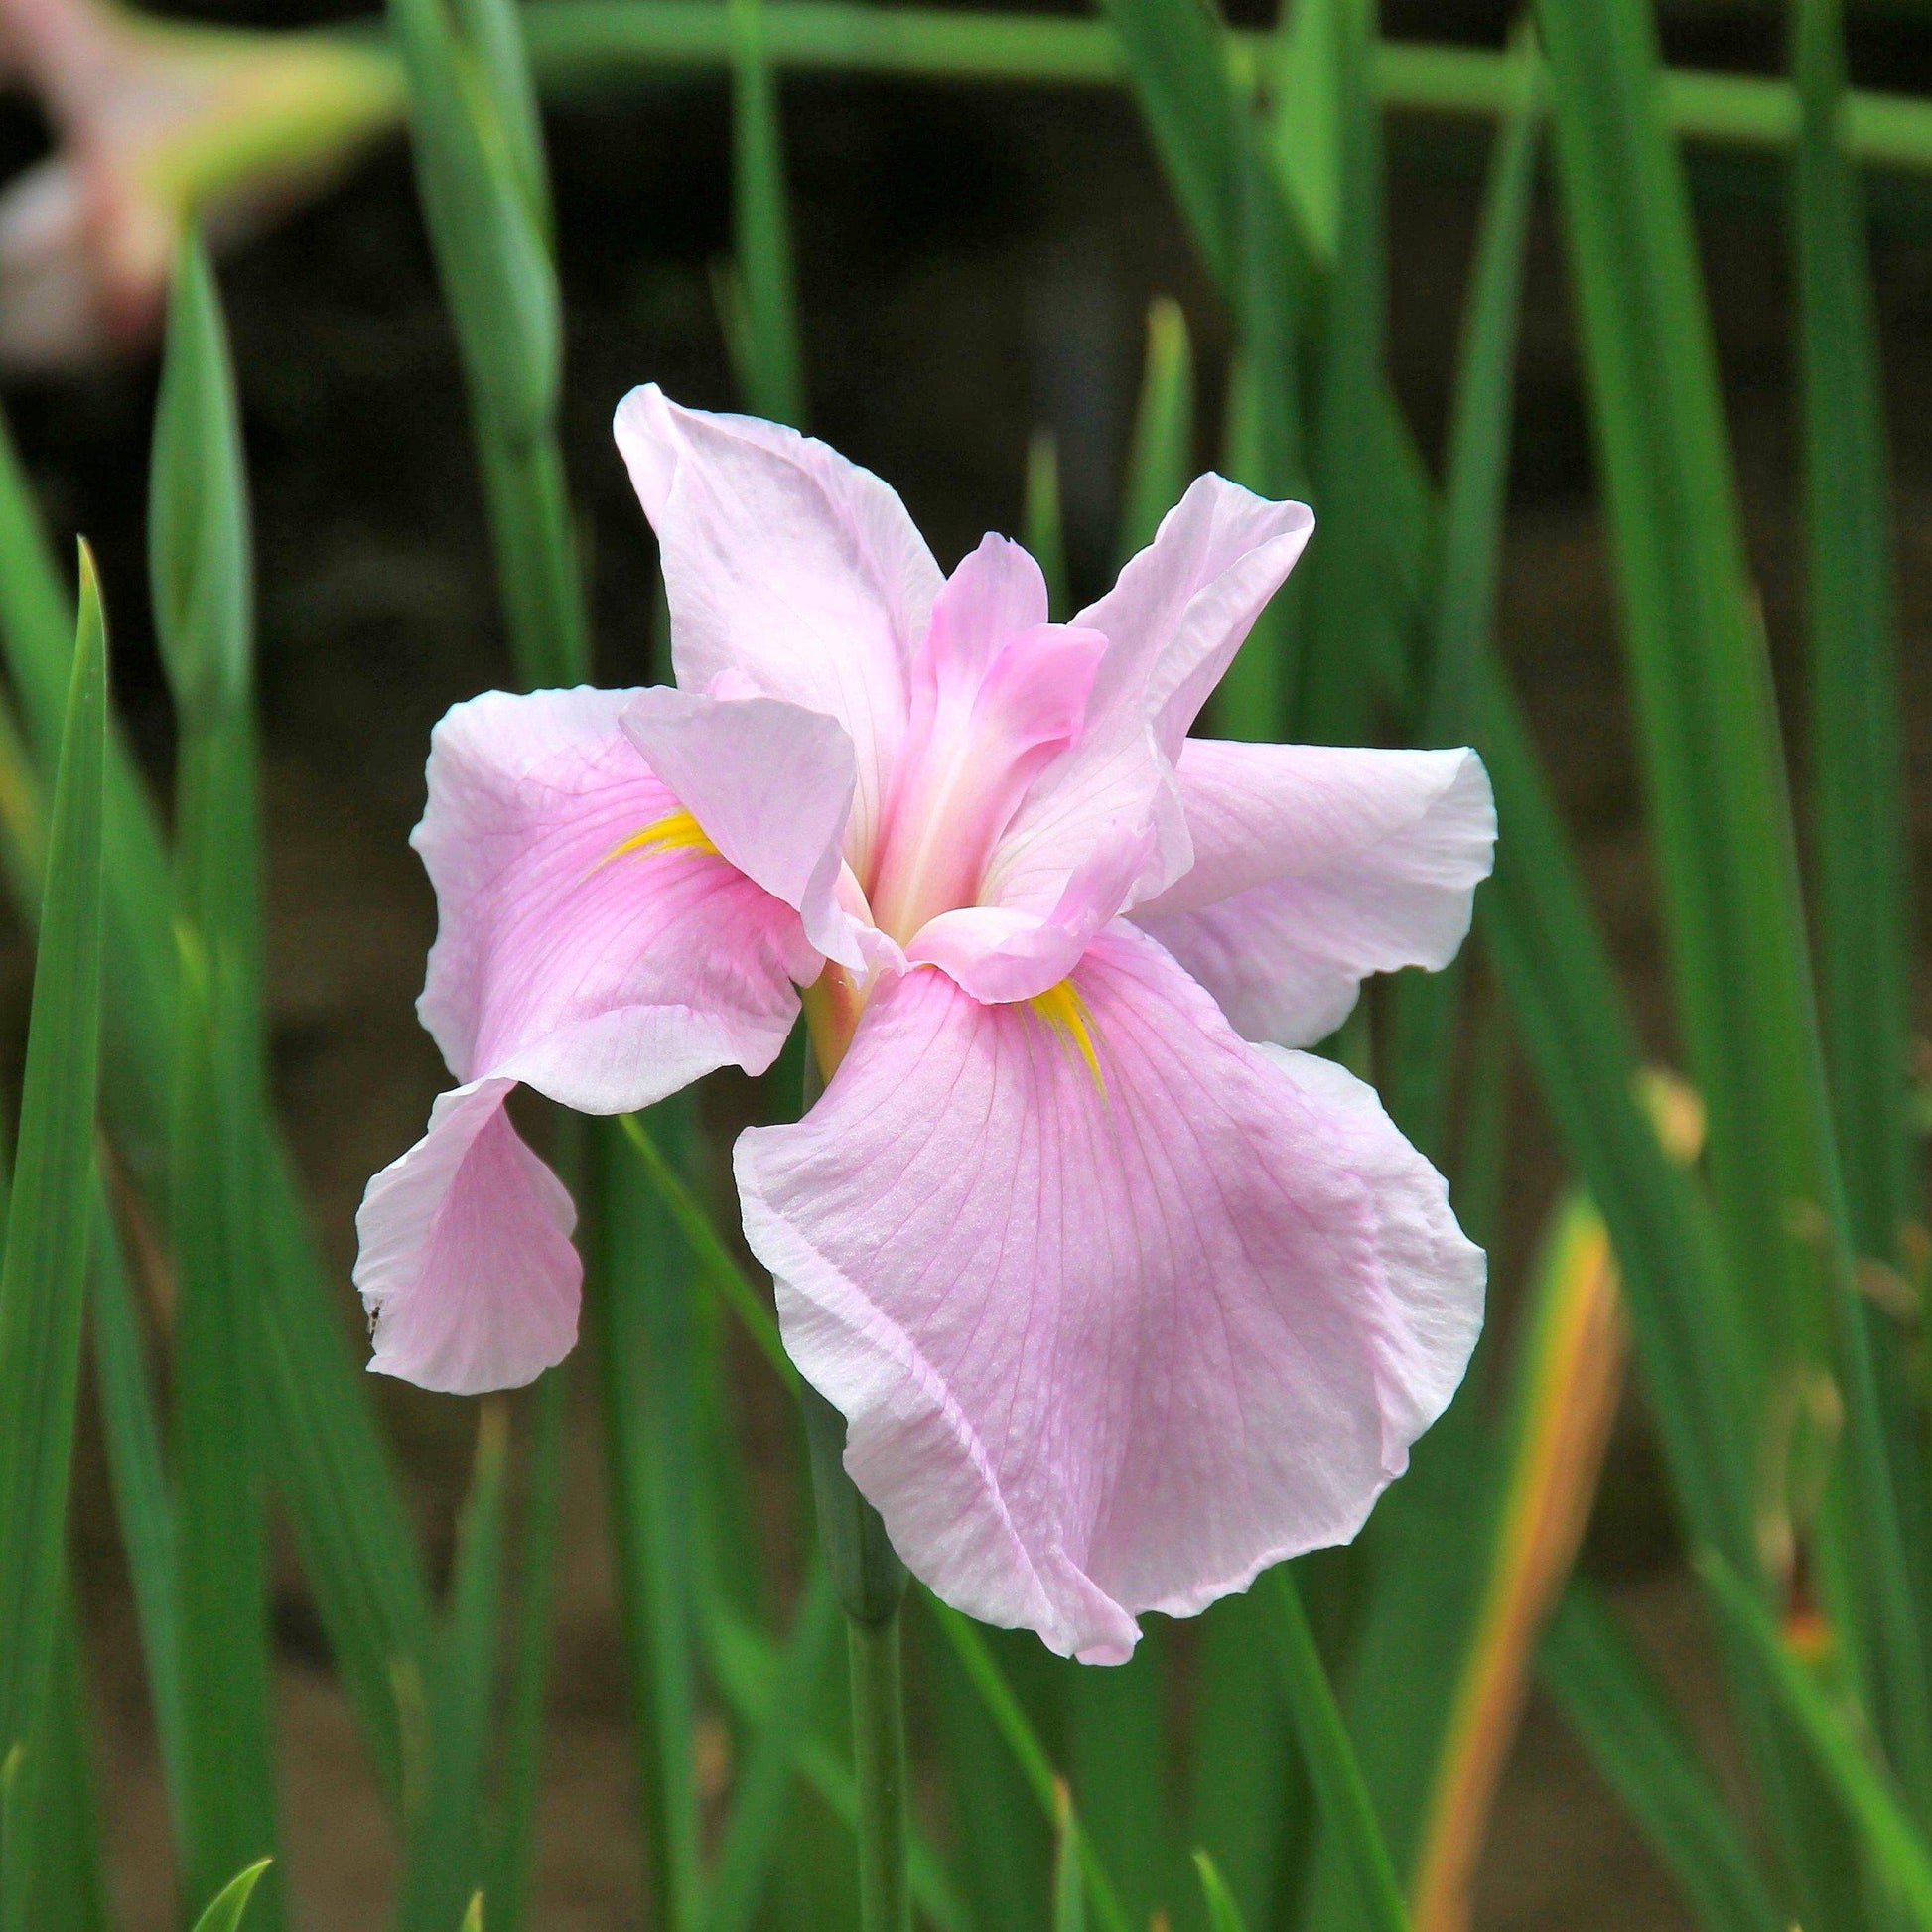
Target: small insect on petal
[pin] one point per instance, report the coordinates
(1067, 1018)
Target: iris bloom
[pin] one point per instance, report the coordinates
(1122, 1299)
(155, 118)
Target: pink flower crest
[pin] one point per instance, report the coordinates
(1122, 1295)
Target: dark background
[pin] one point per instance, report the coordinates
(973, 263)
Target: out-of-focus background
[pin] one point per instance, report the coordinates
(974, 264)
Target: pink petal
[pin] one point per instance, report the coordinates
(1314, 866)
(998, 952)
(1107, 1343)
(996, 692)
(771, 785)
(607, 977)
(789, 564)
(465, 1266)
(1173, 624)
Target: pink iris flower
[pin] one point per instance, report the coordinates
(1123, 1299)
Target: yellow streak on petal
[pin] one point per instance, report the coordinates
(676, 831)
(1067, 1016)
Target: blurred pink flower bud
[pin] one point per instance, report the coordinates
(151, 122)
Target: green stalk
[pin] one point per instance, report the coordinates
(201, 577)
(576, 43)
(42, 1273)
(871, 1585)
(879, 1759)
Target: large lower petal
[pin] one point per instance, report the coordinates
(1119, 1309)
(1314, 866)
(1173, 624)
(787, 563)
(592, 941)
(466, 1267)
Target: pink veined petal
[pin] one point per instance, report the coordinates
(1110, 1335)
(787, 563)
(771, 785)
(996, 692)
(606, 970)
(1172, 624)
(466, 1265)
(998, 952)
(1314, 866)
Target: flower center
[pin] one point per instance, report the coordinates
(984, 720)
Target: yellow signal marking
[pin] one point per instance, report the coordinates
(1066, 1015)
(676, 831)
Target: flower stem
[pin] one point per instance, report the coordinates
(870, 1583)
(879, 1757)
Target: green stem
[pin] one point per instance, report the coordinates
(870, 1583)
(878, 1756)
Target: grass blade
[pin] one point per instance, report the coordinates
(1245, 1808)
(446, 1839)
(758, 1808)
(1161, 459)
(1568, 1380)
(644, 1350)
(1040, 520)
(1896, 1850)
(708, 1248)
(1424, 1005)
(1861, 864)
(144, 1503)
(43, 1275)
(52, 1851)
(351, 1529)
(1069, 1890)
(1223, 1914)
(1117, 1752)
(770, 370)
(536, 1572)
(228, 1907)
(1719, 813)
(1621, 1718)
(1016, 1731)
(202, 594)
(478, 171)
(1331, 1759)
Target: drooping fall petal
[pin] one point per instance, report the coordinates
(466, 1267)
(1314, 866)
(1119, 1309)
(593, 942)
(790, 565)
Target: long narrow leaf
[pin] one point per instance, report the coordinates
(43, 1277)
(445, 1852)
(1621, 1718)
(1330, 1758)
(1897, 1850)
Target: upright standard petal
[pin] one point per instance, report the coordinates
(1119, 1309)
(465, 1268)
(996, 692)
(790, 564)
(1314, 866)
(1173, 624)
